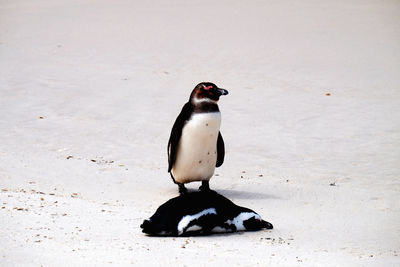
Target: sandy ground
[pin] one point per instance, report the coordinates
(89, 91)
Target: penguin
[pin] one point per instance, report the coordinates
(195, 146)
(201, 213)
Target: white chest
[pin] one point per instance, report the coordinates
(202, 125)
(197, 148)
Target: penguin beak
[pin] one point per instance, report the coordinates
(222, 91)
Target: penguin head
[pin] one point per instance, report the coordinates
(207, 91)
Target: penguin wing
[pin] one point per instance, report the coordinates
(220, 150)
(176, 133)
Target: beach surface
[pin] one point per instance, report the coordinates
(89, 91)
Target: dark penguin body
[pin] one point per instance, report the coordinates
(202, 213)
(195, 146)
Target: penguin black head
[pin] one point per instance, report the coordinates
(206, 91)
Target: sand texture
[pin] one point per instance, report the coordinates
(89, 91)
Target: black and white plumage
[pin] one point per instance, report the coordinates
(195, 146)
(202, 213)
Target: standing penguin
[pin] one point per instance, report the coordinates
(195, 146)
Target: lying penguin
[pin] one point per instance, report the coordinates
(201, 213)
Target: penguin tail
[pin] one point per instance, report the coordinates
(149, 228)
(154, 229)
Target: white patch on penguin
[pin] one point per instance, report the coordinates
(196, 157)
(243, 216)
(193, 228)
(186, 220)
(219, 229)
(202, 100)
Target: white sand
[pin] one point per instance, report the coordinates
(109, 78)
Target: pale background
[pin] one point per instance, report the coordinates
(109, 78)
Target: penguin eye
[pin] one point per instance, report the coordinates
(207, 87)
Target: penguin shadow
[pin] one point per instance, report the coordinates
(239, 194)
(199, 213)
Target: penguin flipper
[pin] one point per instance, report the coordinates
(176, 133)
(220, 150)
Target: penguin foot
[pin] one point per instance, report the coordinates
(182, 189)
(205, 186)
